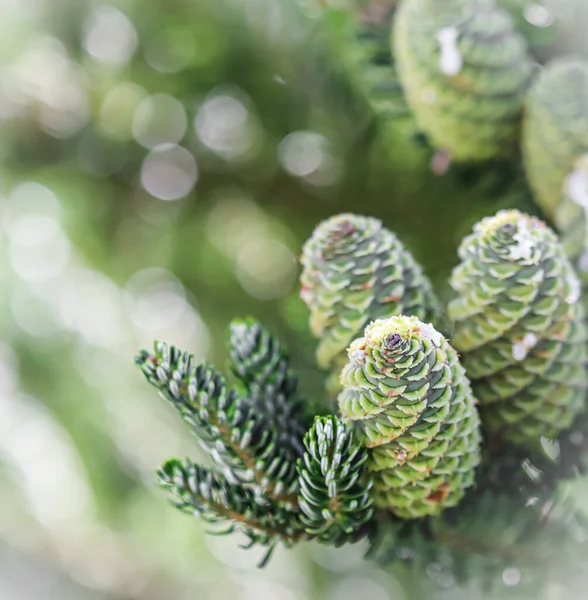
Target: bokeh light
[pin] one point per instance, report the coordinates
(266, 268)
(225, 125)
(158, 119)
(109, 36)
(169, 172)
(308, 155)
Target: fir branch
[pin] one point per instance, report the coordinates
(238, 436)
(231, 506)
(263, 366)
(258, 358)
(334, 486)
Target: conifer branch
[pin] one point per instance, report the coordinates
(262, 365)
(335, 487)
(240, 437)
(232, 506)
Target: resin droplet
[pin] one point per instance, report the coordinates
(450, 61)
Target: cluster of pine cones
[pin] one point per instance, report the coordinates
(423, 390)
(517, 318)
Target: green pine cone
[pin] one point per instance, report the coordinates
(414, 410)
(555, 130)
(465, 70)
(334, 488)
(354, 271)
(520, 328)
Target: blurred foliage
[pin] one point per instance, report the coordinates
(162, 163)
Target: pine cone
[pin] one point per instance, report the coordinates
(464, 69)
(412, 404)
(355, 270)
(555, 130)
(519, 325)
(555, 152)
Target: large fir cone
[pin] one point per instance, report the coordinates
(555, 130)
(355, 270)
(520, 327)
(413, 407)
(464, 69)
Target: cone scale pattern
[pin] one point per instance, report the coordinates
(519, 327)
(411, 402)
(555, 152)
(464, 69)
(555, 130)
(355, 270)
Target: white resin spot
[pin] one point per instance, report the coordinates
(511, 576)
(519, 351)
(428, 332)
(524, 242)
(521, 348)
(575, 288)
(357, 355)
(450, 61)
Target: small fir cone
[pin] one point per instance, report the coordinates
(355, 270)
(555, 133)
(413, 407)
(520, 327)
(465, 70)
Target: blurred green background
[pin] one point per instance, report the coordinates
(162, 162)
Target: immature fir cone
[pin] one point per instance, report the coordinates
(520, 327)
(355, 270)
(413, 407)
(464, 69)
(555, 129)
(555, 151)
